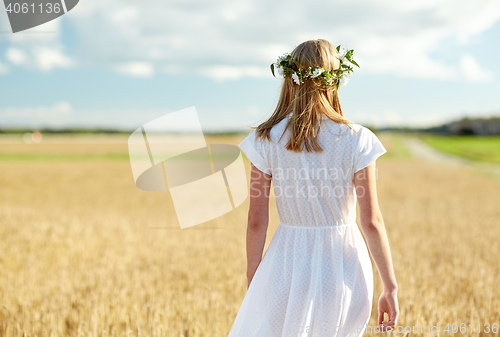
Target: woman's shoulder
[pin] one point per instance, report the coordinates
(351, 129)
(358, 128)
(278, 129)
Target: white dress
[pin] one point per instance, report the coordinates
(315, 279)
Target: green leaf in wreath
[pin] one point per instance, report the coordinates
(272, 69)
(354, 62)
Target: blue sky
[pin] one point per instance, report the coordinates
(120, 64)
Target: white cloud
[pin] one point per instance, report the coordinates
(137, 69)
(403, 56)
(56, 110)
(473, 71)
(124, 15)
(39, 48)
(49, 58)
(42, 58)
(471, 19)
(16, 56)
(224, 72)
(228, 40)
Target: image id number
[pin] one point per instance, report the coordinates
(32, 8)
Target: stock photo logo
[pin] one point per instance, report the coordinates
(26, 14)
(205, 181)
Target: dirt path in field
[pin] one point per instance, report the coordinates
(420, 149)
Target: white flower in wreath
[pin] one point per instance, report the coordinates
(280, 70)
(317, 72)
(282, 58)
(343, 80)
(295, 78)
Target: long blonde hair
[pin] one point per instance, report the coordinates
(309, 100)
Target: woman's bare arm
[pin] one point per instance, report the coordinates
(372, 225)
(258, 219)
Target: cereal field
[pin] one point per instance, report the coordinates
(86, 253)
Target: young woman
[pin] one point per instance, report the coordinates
(315, 278)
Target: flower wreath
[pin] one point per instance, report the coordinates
(287, 66)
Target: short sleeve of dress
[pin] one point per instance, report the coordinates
(253, 149)
(368, 150)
